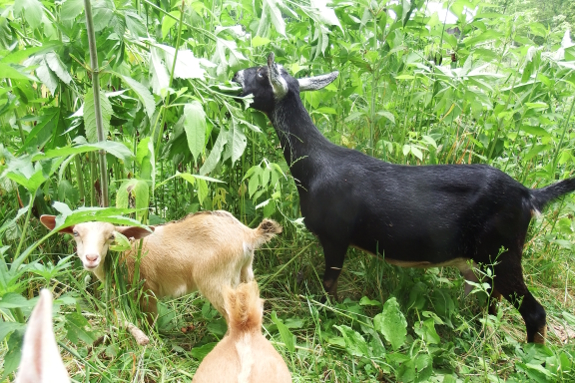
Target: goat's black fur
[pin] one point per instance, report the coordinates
(414, 215)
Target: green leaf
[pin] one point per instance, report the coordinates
(117, 149)
(32, 10)
(387, 115)
(13, 356)
(8, 327)
(271, 9)
(169, 22)
(47, 77)
(90, 115)
(355, 343)
(141, 193)
(426, 330)
(145, 157)
(15, 300)
(200, 352)
(71, 8)
(287, 337)
(488, 35)
(7, 71)
(76, 329)
(214, 157)
(195, 127)
(391, 323)
(103, 15)
(535, 130)
(237, 143)
(258, 41)
(58, 67)
(135, 24)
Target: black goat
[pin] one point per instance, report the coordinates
(417, 216)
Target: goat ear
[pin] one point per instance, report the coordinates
(50, 222)
(317, 82)
(134, 231)
(41, 360)
(278, 83)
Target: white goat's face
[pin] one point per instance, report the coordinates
(93, 240)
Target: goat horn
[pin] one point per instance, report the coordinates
(278, 83)
(317, 82)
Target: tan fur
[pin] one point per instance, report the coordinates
(41, 361)
(244, 355)
(206, 251)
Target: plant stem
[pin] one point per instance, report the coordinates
(565, 124)
(98, 110)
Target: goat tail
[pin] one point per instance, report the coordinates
(244, 308)
(266, 231)
(541, 197)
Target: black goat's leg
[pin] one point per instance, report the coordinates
(334, 254)
(510, 284)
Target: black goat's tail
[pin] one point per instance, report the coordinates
(541, 197)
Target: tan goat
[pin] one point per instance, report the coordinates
(244, 355)
(41, 361)
(205, 251)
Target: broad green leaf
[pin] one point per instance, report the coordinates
(117, 149)
(169, 22)
(325, 14)
(71, 9)
(58, 67)
(287, 337)
(90, 115)
(145, 157)
(195, 127)
(272, 10)
(391, 323)
(488, 35)
(187, 65)
(426, 330)
(14, 300)
(32, 10)
(135, 24)
(200, 352)
(258, 41)
(47, 77)
(7, 71)
(141, 193)
(13, 356)
(535, 130)
(535, 151)
(237, 142)
(160, 76)
(387, 115)
(143, 94)
(8, 327)
(355, 343)
(76, 329)
(103, 15)
(202, 189)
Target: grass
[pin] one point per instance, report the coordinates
(470, 346)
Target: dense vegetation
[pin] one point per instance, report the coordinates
(492, 83)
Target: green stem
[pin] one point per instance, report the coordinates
(565, 124)
(97, 107)
(30, 205)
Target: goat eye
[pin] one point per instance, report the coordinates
(260, 75)
(112, 237)
(75, 233)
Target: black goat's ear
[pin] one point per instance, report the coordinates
(278, 83)
(317, 82)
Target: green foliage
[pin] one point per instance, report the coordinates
(494, 85)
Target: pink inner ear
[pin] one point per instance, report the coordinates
(50, 222)
(134, 232)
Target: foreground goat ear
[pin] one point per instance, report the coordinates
(278, 83)
(134, 231)
(50, 222)
(317, 82)
(41, 361)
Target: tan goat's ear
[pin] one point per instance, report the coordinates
(50, 222)
(134, 231)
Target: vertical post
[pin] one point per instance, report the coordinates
(97, 108)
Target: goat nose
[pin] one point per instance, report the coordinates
(92, 257)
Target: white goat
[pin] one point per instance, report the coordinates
(244, 355)
(205, 251)
(41, 361)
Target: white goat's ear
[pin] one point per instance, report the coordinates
(135, 231)
(41, 361)
(317, 82)
(278, 83)
(50, 222)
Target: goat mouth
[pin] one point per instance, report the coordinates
(92, 266)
